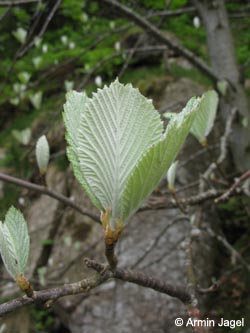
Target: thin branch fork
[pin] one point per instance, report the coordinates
(103, 274)
(225, 196)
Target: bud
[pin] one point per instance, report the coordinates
(171, 176)
(42, 154)
(196, 22)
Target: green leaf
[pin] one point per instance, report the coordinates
(14, 242)
(20, 34)
(155, 162)
(75, 104)
(205, 118)
(118, 125)
(36, 99)
(42, 154)
(22, 136)
(37, 61)
(222, 86)
(24, 77)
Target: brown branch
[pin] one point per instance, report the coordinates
(146, 25)
(17, 2)
(231, 190)
(165, 203)
(143, 280)
(46, 191)
(176, 12)
(86, 285)
(53, 294)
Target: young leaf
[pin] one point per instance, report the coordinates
(155, 162)
(68, 85)
(74, 106)
(20, 34)
(205, 118)
(222, 86)
(42, 154)
(117, 149)
(24, 77)
(37, 61)
(36, 99)
(14, 242)
(22, 136)
(116, 127)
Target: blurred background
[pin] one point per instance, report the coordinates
(170, 51)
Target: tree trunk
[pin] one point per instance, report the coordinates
(223, 60)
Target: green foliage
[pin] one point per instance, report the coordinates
(177, 4)
(178, 71)
(153, 4)
(43, 319)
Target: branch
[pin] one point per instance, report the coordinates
(86, 285)
(145, 24)
(143, 280)
(44, 190)
(53, 294)
(17, 2)
(42, 31)
(176, 12)
(165, 203)
(230, 191)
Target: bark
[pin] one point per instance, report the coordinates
(223, 60)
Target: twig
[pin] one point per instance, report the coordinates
(44, 190)
(149, 49)
(17, 2)
(5, 13)
(223, 149)
(230, 191)
(229, 247)
(165, 203)
(42, 31)
(145, 24)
